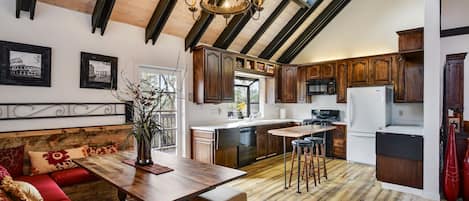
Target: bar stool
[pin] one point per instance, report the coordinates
(298, 147)
(319, 144)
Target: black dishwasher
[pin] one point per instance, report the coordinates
(247, 150)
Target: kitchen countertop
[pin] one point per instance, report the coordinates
(341, 123)
(300, 131)
(403, 129)
(244, 123)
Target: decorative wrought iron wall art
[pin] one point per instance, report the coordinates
(18, 111)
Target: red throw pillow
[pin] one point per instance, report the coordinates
(12, 160)
(3, 173)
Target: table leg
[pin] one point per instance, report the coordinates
(285, 160)
(299, 169)
(121, 195)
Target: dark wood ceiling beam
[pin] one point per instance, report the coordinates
(158, 19)
(233, 29)
(199, 28)
(283, 4)
(26, 5)
(302, 3)
(101, 13)
(326, 16)
(287, 31)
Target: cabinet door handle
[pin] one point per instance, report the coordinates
(217, 140)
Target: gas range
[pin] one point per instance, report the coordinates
(322, 117)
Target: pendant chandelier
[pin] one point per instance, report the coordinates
(226, 8)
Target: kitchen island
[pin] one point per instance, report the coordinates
(297, 132)
(238, 143)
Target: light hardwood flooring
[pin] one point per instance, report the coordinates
(347, 181)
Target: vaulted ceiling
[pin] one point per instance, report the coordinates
(281, 25)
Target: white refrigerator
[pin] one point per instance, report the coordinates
(368, 109)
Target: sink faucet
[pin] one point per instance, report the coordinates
(254, 116)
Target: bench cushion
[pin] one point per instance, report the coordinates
(49, 190)
(222, 194)
(73, 176)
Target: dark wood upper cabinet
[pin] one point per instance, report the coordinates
(289, 84)
(380, 69)
(408, 85)
(328, 70)
(411, 40)
(358, 72)
(313, 72)
(301, 86)
(227, 78)
(341, 79)
(213, 72)
(213, 76)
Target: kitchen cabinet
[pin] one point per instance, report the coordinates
(204, 149)
(381, 68)
(302, 97)
(342, 81)
(268, 144)
(227, 77)
(399, 159)
(287, 84)
(339, 142)
(314, 72)
(358, 72)
(408, 86)
(321, 71)
(411, 40)
(328, 70)
(203, 146)
(213, 76)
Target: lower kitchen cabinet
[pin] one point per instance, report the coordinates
(204, 150)
(268, 144)
(339, 142)
(399, 159)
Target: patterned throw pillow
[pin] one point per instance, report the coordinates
(12, 160)
(3, 173)
(19, 190)
(45, 162)
(95, 151)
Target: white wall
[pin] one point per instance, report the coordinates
(68, 33)
(363, 28)
(454, 13)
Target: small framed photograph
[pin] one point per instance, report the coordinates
(26, 65)
(98, 71)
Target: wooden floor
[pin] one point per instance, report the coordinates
(347, 181)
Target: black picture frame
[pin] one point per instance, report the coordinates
(86, 80)
(38, 74)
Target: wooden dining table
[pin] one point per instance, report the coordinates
(188, 179)
(297, 132)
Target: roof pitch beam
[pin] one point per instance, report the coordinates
(101, 14)
(287, 31)
(326, 16)
(283, 4)
(199, 28)
(158, 20)
(233, 29)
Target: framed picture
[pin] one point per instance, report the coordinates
(98, 71)
(22, 64)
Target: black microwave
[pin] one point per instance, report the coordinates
(321, 87)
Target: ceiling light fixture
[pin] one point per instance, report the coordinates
(226, 8)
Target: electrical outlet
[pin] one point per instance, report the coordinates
(455, 120)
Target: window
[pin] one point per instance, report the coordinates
(167, 113)
(247, 93)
